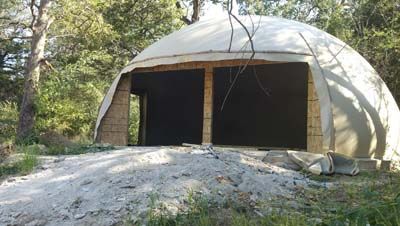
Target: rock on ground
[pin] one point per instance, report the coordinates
(104, 188)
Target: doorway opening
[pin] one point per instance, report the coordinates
(266, 107)
(170, 105)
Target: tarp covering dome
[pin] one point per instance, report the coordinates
(359, 116)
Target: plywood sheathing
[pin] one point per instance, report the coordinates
(115, 124)
(208, 106)
(314, 131)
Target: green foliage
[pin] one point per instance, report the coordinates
(377, 37)
(377, 212)
(88, 43)
(140, 23)
(203, 212)
(13, 48)
(74, 150)
(88, 49)
(196, 214)
(8, 121)
(61, 150)
(69, 98)
(368, 199)
(374, 202)
(24, 165)
(134, 120)
(29, 159)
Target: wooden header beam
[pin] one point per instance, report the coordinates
(201, 65)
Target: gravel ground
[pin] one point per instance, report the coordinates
(104, 188)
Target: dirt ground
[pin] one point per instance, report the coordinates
(105, 188)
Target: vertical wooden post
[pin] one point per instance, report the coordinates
(208, 106)
(314, 131)
(143, 119)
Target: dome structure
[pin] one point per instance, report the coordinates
(357, 115)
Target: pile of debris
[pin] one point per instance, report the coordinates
(105, 188)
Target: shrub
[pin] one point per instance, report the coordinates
(134, 120)
(25, 164)
(8, 121)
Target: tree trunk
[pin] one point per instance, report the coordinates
(40, 26)
(196, 11)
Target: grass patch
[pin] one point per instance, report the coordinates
(203, 212)
(23, 165)
(76, 149)
(28, 162)
(62, 150)
(372, 198)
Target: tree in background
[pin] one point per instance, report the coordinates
(13, 48)
(87, 44)
(88, 48)
(196, 7)
(13, 51)
(41, 21)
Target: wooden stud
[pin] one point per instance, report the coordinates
(314, 131)
(208, 106)
(143, 119)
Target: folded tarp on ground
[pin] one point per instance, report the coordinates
(327, 164)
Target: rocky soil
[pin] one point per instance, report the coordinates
(105, 188)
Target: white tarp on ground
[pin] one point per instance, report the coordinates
(359, 116)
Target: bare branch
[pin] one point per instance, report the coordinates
(32, 4)
(338, 52)
(266, 91)
(46, 63)
(186, 20)
(253, 53)
(230, 7)
(250, 40)
(62, 36)
(15, 37)
(196, 11)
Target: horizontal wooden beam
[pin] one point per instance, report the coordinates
(202, 65)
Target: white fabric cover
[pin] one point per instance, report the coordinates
(359, 116)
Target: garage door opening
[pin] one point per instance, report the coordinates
(267, 106)
(171, 106)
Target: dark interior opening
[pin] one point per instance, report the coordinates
(171, 106)
(275, 117)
